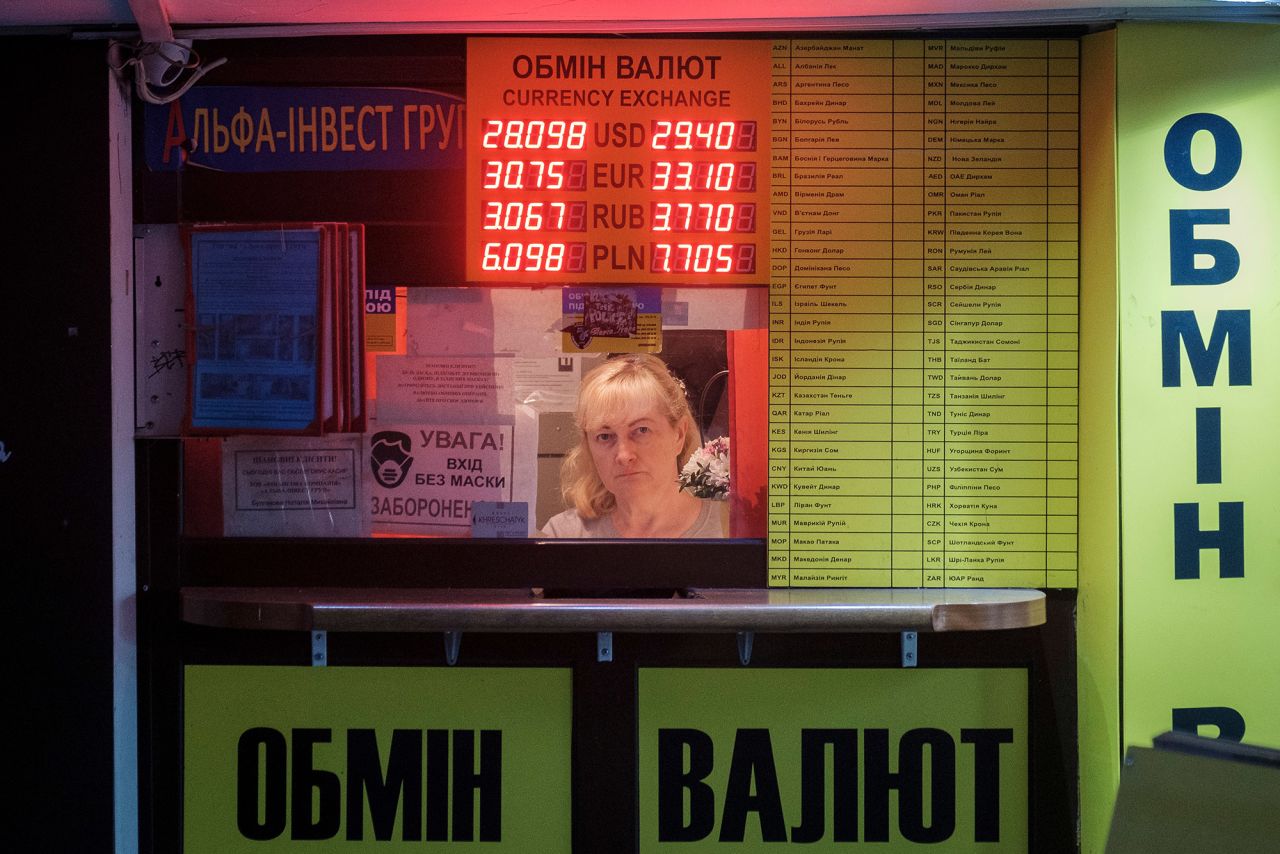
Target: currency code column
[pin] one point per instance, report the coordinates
(780, 320)
(908, 313)
(841, 304)
(1063, 311)
(997, 260)
(933, 481)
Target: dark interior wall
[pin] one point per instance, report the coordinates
(55, 410)
(413, 219)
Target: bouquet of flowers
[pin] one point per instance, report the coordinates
(706, 475)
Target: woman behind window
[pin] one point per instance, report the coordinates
(620, 480)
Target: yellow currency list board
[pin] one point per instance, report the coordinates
(923, 380)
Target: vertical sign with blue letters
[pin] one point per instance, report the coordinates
(1198, 177)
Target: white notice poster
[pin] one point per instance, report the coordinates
(460, 389)
(292, 486)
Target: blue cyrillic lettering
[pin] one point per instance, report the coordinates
(1189, 540)
(1184, 246)
(1226, 158)
(1208, 444)
(1230, 328)
(1229, 722)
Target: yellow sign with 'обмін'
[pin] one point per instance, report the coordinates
(1198, 185)
(352, 759)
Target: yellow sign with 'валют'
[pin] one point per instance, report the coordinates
(733, 760)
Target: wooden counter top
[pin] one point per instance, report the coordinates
(700, 610)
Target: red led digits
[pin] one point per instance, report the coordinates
(702, 184)
(703, 217)
(535, 257)
(534, 175)
(533, 134)
(534, 216)
(702, 258)
(703, 136)
(702, 176)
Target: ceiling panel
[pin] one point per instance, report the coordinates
(450, 14)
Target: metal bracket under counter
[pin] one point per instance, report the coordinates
(699, 610)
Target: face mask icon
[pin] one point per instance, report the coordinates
(389, 457)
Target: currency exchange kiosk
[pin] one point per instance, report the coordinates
(379, 280)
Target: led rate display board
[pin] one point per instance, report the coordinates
(593, 160)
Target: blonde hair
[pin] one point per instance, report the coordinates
(617, 385)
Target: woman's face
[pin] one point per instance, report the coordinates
(635, 451)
